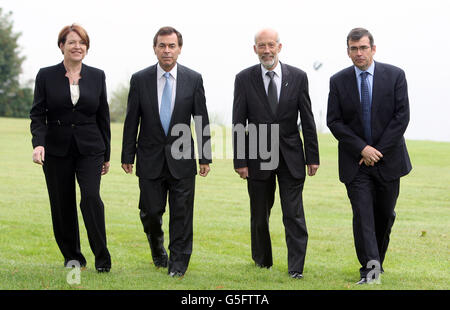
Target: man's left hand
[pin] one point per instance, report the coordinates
(312, 169)
(204, 169)
(105, 168)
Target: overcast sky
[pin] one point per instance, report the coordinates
(218, 43)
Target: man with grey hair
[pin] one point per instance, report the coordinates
(268, 98)
(368, 112)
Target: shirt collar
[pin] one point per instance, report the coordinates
(160, 71)
(370, 70)
(277, 69)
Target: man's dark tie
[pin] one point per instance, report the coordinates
(366, 108)
(272, 93)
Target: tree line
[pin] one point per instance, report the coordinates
(16, 99)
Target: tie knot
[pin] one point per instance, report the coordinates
(271, 74)
(364, 74)
(167, 75)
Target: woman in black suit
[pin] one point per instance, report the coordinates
(71, 139)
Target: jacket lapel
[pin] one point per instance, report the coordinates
(64, 84)
(378, 77)
(352, 90)
(152, 86)
(285, 83)
(258, 84)
(179, 91)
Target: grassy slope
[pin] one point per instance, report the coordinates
(418, 256)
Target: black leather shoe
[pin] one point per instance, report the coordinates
(362, 281)
(176, 274)
(295, 275)
(160, 261)
(103, 269)
(159, 254)
(263, 266)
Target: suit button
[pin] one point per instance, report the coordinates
(73, 110)
(73, 125)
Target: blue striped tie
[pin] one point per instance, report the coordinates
(366, 108)
(165, 112)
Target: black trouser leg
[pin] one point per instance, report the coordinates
(181, 204)
(152, 205)
(293, 217)
(262, 196)
(60, 179)
(373, 201)
(386, 199)
(361, 193)
(88, 172)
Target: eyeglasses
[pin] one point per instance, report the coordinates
(362, 48)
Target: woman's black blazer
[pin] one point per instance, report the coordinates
(55, 120)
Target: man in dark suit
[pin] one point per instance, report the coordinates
(368, 112)
(162, 100)
(267, 99)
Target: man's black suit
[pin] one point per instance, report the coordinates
(76, 139)
(251, 107)
(158, 171)
(373, 191)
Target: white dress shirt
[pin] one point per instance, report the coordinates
(276, 78)
(74, 93)
(161, 81)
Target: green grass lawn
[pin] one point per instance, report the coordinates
(418, 256)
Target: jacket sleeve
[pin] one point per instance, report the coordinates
(309, 131)
(394, 131)
(239, 123)
(38, 113)
(103, 120)
(131, 124)
(201, 114)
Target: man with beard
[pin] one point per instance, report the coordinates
(268, 98)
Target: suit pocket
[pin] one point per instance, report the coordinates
(89, 139)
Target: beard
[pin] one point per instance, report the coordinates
(268, 64)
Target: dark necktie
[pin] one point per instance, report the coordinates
(272, 93)
(366, 108)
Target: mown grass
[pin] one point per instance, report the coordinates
(417, 259)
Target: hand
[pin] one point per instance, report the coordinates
(312, 169)
(370, 156)
(243, 172)
(128, 168)
(204, 169)
(39, 155)
(366, 162)
(105, 168)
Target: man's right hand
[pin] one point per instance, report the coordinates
(128, 168)
(243, 172)
(370, 156)
(39, 155)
